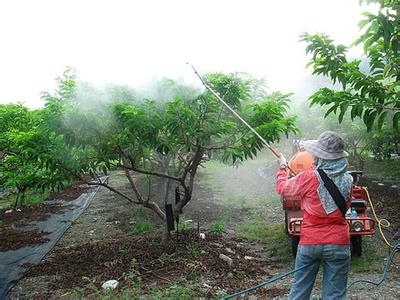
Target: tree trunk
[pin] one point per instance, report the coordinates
(16, 200)
(166, 235)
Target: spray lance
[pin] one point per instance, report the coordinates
(274, 152)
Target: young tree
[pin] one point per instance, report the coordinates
(166, 139)
(22, 162)
(374, 94)
(15, 170)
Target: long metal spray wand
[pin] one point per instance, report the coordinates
(274, 152)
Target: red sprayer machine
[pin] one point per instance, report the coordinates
(357, 215)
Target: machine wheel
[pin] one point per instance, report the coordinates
(356, 245)
(295, 244)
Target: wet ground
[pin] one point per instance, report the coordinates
(99, 246)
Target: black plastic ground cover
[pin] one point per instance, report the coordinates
(12, 261)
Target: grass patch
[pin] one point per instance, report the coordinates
(186, 224)
(217, 226)
(137, 211)
(5, 203)
(31, 198)
(178, 291)
(273, 235)
(383, 168)
(140, 220)
(142, 225)
(371, 259)
(174, 291)
(237, 201)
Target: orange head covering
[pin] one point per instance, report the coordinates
(301, 161)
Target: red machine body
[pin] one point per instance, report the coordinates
(359, 225)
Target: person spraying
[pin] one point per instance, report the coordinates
(325, 198)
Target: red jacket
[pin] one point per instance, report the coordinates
(317, 226)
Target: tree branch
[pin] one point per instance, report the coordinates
(191, 169)
(98, 183)
(133, 185)
(148, 172)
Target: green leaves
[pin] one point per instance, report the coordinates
(396, 119)
(372, 94)
(233, 88)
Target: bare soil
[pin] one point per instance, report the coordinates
(14, 234)
(386, 195)
(20, 216)
(112, 259)
(11, 238)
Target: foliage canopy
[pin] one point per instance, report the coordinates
(372, 94)
(164, 139)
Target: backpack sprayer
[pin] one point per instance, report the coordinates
(355, 194)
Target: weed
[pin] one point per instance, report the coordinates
(137, 211)
(37, 198)
(253, 230)
(193, 250)
(371, 259)
(133, 291)
(217, 226)
(384, 168)
(175, 291)
(273, 235)
(185, 224)
(31, 198)
(132, 277)
(124, 250)
(142, 225)
(220, 293)
(140, 221)
(165, 258)
(90, 284)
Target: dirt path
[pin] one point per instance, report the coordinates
(232, 196)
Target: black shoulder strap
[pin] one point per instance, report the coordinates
(334, 192)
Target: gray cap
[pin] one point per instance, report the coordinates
(329, 146)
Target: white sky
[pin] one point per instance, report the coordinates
(133, 42)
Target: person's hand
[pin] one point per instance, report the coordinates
(282, 161)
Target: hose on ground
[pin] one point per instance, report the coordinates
(388, 261)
